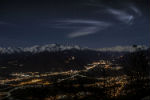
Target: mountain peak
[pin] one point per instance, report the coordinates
(39, 48)
(123, 48)
(58, 47)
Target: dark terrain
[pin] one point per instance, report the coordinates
(75, 75)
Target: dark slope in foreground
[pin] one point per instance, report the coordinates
(50, 61)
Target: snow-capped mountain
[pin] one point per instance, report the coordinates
(57, 47)
(123, 48)
(38, 48)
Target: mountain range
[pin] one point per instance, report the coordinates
(58, 47)
(53, 57)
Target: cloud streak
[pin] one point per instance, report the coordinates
(83, 27)
(84, 32)
(94, 26)
(3, 23)
(135, 10)
(122, 15)
(126, 16)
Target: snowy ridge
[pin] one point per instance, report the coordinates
(123, 48)
(38, 49)
(57, 47)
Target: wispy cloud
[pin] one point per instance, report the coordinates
(6, 23)
(3, 23)
(81, 21)
(83, 27)
(127, 15)
(84, 31)
(122, 15)
(135, 10)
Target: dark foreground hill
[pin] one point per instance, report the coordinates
(46, 61)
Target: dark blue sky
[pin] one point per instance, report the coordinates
(91, 23)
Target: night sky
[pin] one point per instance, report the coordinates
(90, 23)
